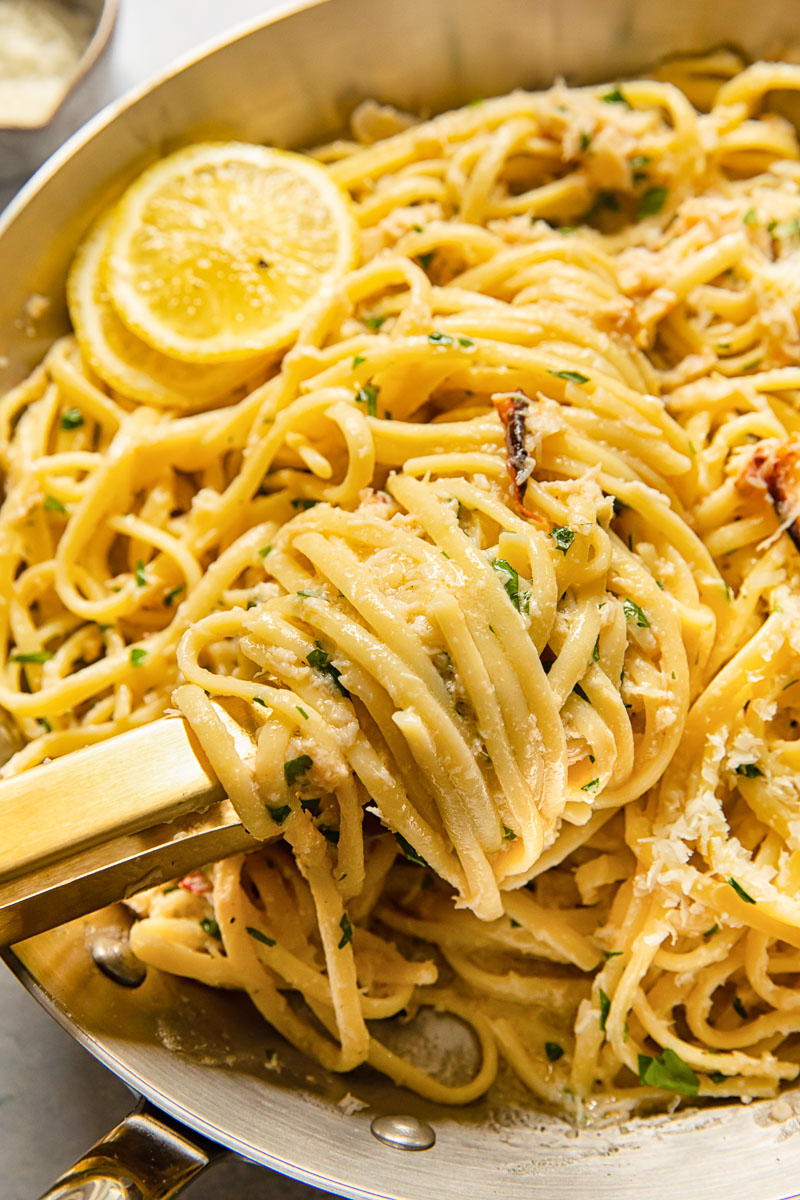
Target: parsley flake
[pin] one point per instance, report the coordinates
(651, 202)
(615, 96)
(749, 770)
(53, 505)
(141, 578)
(137, 656)
(605, 1008)
(553, 1051)
(319, 659)
(368, 394)
(279, 813)
(740, 892)
(210, 926)
(668, 1071)
(409, 851)
(510, 580)
(32, 656)
(172, 595)
(634, 613)
(591, 786)
(71, 418)
(563, 537)
(347, 931)
(260, 937)
(570, 376)
(296, 767)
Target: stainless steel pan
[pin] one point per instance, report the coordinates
(205, 1059)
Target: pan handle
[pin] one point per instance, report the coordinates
(147, 1157)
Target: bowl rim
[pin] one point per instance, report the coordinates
(101, 36)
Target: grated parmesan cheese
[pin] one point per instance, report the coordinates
(41, 44)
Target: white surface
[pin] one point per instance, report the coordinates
(55, 1100)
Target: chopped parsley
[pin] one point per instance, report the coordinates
(303, 503)
(668, 1071)
(45, 724)
(258, 700)
(740, 892)
(586, 141)
(749, 770)
(172, 595)
(634, 613)
(605, 1008)
(358, 360)
(591, 786)
(32, 656)
(596, 651)
(571, 376)
(553, 1051)
(137, 656)
(141, 578)
(441, 339)
(651, 202)
(347, 931)
(374, 322)
(53, 505)
(515, 924)
(264, 551)
(302, 712)
(466, 342)
(508, 834)
(710, 932)
(749, 217)
(279, 813)
(368, 394)
(71, 418)
(210, 926)
(739, 1008)
(563, 537)
(510, 580)
(409, 851)
(319, 659)
(717, 1077)
(615, 96)
(425, 260)
(260, 937)
(296, 767)
(307, 594)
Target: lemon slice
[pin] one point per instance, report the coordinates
(217, 251)
(121, 359)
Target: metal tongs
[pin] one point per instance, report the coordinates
(107, 821)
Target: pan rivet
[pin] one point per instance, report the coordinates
(116, 960)
(403, 1133)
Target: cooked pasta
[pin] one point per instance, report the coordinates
(493, 565)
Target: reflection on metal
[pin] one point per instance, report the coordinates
(403, 1132)
(144, 1158)
(115, 959)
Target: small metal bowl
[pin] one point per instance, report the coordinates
(24, 148)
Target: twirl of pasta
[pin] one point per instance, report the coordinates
(495, 566)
